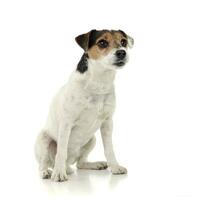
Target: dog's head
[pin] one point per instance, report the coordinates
(106, 48)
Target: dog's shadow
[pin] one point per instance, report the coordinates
(83, 182)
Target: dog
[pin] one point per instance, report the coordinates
(82, 106)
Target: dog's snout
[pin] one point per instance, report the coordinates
(121, 54)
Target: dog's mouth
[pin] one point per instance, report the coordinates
(120, 63)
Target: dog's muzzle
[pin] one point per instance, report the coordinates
(120, 58)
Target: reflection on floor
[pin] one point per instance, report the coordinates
(84, 182)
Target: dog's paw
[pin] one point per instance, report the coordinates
(70, 170)
(93, 165)
(117, 169)
(100, 165)
(45, 174)
(59, 175)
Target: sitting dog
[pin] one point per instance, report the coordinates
(82, 106)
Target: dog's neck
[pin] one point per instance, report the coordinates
(94, 76)
(99, 79)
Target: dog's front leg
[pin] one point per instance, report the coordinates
(59, 171)
(106, 133)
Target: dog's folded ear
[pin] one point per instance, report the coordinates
(130, 39)
(83, 40)
(130, 42)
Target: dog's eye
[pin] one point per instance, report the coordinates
(103, 44)
(124, 42)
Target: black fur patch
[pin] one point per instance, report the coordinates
(122, 32)
(94, 35)
(83, 64)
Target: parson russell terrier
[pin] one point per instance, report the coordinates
(82, 106)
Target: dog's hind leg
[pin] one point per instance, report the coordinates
(82, 162)
(52, 155)
(43, 151)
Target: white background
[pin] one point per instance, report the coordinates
(156, 124)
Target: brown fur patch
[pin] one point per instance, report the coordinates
(112, 37)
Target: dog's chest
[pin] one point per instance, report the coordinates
(99, 105)
(97, 108)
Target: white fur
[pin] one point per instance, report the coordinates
(81, 107)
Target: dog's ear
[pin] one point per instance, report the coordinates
(130, 39)
(83, 40)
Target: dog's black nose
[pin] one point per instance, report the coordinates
(121, 54)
